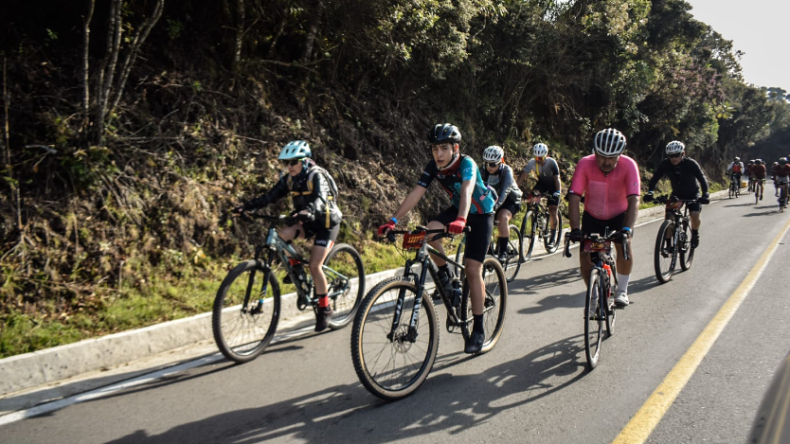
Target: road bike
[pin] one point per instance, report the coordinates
(395, 338)
(247, 306)
(735, 187)
(535, 224)
(672, 243)
(512, 262)
(603, 278)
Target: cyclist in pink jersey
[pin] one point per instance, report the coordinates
(610, 184)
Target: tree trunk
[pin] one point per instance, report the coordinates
(308, 46)
(239, 34)
(7, 151)
(86, 97)
(107, 71)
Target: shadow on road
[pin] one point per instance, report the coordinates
(348, 413)
(534, 284)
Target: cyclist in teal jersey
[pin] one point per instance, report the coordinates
(472, 204)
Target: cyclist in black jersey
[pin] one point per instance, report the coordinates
(547, 173)
(500, 176)
(472, 204)
(684, 173)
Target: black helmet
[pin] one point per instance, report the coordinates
(783, 160)
(444, 133)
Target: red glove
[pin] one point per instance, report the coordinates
(385, 228)
(457, 226)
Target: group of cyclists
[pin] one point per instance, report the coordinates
(607, 180)
(756, 172)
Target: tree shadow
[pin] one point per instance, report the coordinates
(556, 301)
(535, 283)
(348, 413)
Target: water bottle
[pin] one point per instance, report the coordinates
(608, 280)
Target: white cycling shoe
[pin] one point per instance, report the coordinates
(621, 299)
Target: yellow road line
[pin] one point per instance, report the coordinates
(647, 418)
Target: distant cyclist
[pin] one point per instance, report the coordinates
(610, 184)
(472, 204)
(749, 177)
(783, 178)
(684, 174)
(547, 173)
(314, 209)
(735, 169)
(758, 176)
(773, 178)
(500, 177)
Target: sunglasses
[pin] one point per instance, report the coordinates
(493, 164)
(675, 156)
(290, 162)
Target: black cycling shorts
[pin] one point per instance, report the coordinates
(477, 240)
(551, 189)
(324, 236)
(510, 206)
(591, 225)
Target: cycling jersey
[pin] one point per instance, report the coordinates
(683, 177)
(545, 173)
(606, 195)
(464, 169)
(782, 173)
(758, 171)
(502, 181)
(735, 167)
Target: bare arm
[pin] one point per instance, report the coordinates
(574, 218)
(466, 198)
(632, 212)
(558, 183)
(411, 200)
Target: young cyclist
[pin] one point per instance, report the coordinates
(610, 184)
(684, 173)
(472, 204)
(758, 176)
(548, 174)
(500, 176)
(315, 214)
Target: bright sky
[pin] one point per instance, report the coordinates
(756, 27)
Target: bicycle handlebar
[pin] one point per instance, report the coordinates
(670, 198)
(612, 237)
(441, 231)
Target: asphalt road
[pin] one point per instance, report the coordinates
(533, 387)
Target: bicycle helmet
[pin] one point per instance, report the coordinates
(751, 162)
(444, 133)
(295, 150)
(609, 142)
(783, 160)
(540, 150)
(493, 154)
(758, 162)
(776, 163)
(675, 147)
(737, 159)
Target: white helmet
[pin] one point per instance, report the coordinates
(493, 154)
(540, 150)
(675, 147)
(609, 142)
(297, 149)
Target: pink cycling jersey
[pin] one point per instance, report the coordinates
(606, 195)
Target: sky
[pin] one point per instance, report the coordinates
(756, 27)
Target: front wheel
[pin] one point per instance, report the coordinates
(528, 235)
(665, 253)
(513, 263)
(244, 317)
(494, 304)
(345, 278)
(593, 322)
(391, 361)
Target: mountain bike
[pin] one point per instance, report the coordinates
(512, 263)
(535, 224)
(395, 338)
(247, 306)
(603, 278)
(671, 242)
(735, 187)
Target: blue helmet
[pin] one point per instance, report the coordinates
(296, 149)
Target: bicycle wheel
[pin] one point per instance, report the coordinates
(593, 323)
(552, 247)
(665, 252)
(686, 252)
(345, 278)
(732, 190)
(611, 313)
(494, 305)
(513, 264)
(756, 195)
(528, 235)
(393, 367)
(242, 330)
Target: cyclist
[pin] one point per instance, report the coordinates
(315, 214)
(773, 178)
(472, 204)
(610, 184)
(548, 174)
(749, 178)
(735, 169)
(684, 173)
(500, 176)
(758, 176)
(783, 178)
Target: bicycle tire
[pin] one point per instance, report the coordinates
(372, 324)
(513, 263)
(495, 304)
(662, 257)
(593, 324)
(230, 323)
(611, 312)
(527, 235)
(345, 259)
(686, 251)
(552, 247)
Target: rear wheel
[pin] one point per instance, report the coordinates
(345, 276)
(551, 247)
(393, 363)
(593, 324)
(243, 318)
(527, 235)
(513, 263)
(494, 304)
(665, 252)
